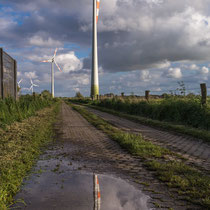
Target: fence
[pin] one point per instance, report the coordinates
(8, 75)
(161, 94)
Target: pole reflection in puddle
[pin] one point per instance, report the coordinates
(96, 193)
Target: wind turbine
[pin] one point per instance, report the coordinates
(94, 75)
(32, 86)
(19, 82)
(19, 88)
(52, 60)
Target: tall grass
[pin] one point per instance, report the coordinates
(25, 106)
(186, 111)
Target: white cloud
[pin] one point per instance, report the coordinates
(18, 73)
(76, 89)
(194, 67)
(37, 40)
(204, 70)
(174, 73)
(69, 62)
(163, 64)
(145, 76)
(31, 75)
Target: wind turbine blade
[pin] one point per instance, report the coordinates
(20, 81)
(55, 52)
(46, 61)
(31, 81)
(57, 66)
(31, 87)
(35, 85)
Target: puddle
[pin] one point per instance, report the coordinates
(57, 184)
(75, 191)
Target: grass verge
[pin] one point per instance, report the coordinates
(134, 143)
(20, 144)
(185, 180)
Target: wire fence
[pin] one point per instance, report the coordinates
(136, 91)
(177, 91)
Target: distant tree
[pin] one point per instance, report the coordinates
(79, 95)
(46, 94)
(191, 95)
(165, 95)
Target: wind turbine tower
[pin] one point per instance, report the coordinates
(94, 75)
(52, 61)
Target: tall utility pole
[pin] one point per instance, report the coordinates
(94, 75)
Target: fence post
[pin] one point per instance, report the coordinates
(2, 74)
(15, 79)
(147, 95)
(203, 93)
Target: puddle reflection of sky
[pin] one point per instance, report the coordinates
(75, 191)
(60, 186)
(117, 194)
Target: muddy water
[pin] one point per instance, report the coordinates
(58, 183)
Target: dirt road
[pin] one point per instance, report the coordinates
(62, 176)
(196, 151)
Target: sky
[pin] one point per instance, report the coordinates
(142, 44)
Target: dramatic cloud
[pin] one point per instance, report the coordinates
(143, 33)
(148, 37)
